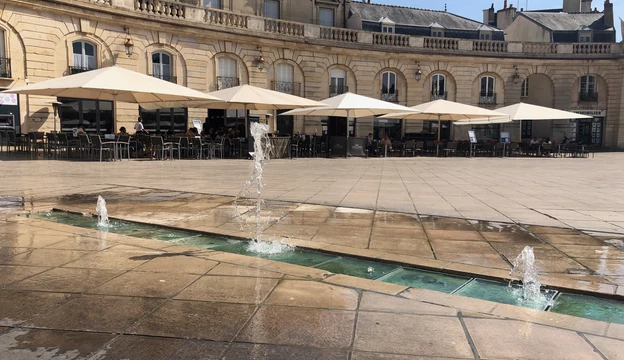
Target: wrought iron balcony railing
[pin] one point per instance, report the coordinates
(5, 68)
(173, 79)
(291, 88)
(487, 98)
(337, 90)
(588, 97)
(390, 97)
(225, 82)
(438, 95)
(78, 69)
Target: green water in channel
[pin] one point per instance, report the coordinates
(584, 306)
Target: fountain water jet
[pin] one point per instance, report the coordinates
(262, 146)
(524, 265)
(102, 212)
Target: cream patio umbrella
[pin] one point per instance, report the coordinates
(115, 84)
(444, 110)
(522, 111)
(351, 105)
(485, 121)
(241, 97)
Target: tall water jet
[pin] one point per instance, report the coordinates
(262, 147)
(524, 266)
(102, 212)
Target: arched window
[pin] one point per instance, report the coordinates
(486, 94)
(438, 87)
(525, 88)
(337, 82)
(389, 91)
(284, 79)
(84, 56)
(161, 66)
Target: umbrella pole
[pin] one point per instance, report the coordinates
(439, 130)
(520, 132)
(347, 145)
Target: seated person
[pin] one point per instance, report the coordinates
(369, 144)
(534, 141)
(123, 131)
(385, 140)
(81, 129)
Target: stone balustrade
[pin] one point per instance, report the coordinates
(539, 48)
(283, 27)
(170, 9)
(490, 46)
(391, 39)
(191, 13)
(339, 34)
(225, 18)
(440, 43)
(592, 48)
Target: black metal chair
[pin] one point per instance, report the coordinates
(100, 147)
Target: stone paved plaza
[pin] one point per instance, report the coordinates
(74, 293)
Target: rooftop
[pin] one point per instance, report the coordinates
(413, 16)
(567, 21)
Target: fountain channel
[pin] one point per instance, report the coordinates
(586, 306)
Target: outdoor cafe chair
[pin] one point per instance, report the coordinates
(410, 147)
(514, 149)
(499, 149)
(160, 148)
(63, 143)
(84, 146)
(51, 143)
(100, 147)
(123, 146)
(198, 148)
(219, 146)
(35, 142)
(3, 139)
(547, 149)
(419, 147)
(294, 148)
(451, 148)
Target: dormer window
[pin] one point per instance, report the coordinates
(585, 37)
(387, 25)
(437, 30)
(485, 35)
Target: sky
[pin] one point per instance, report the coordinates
(473, 9)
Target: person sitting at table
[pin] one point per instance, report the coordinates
(547, 141)
(534, 141)
(369, 144)
(171, 131)
(81, 129)
(385, 140)
(122, 131)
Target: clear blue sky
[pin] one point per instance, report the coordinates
(473, 9)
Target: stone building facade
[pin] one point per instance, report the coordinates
(207, 49)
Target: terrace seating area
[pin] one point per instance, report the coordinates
(482, 149)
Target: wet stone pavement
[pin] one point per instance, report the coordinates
(75, 293)
(565, 257)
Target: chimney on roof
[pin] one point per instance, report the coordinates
(586, 6)
(489, 16)
(571, 6)
(505, 5)
(505, 16)
(608, 14)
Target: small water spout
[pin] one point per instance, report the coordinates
(102, 213)
(262, 147)
(524, 266)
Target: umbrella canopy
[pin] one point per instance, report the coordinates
(243, 97)
(522, 111)
(501, 120)
(444, 110)
(351, 105)
(113, 84)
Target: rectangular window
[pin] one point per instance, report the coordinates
(525, 88)
(213, 4)
(285, 73)
(387, 29)
(96, 116)
(487, 86)
(588, 84)
(227, 67)
(527, 129)
(272, 9)
(585, 38)
(161, 120)
(437, 34)
(326, 17)
(484, 36)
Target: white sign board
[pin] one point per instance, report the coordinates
(472, 136)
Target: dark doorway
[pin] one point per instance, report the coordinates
(285, 124)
